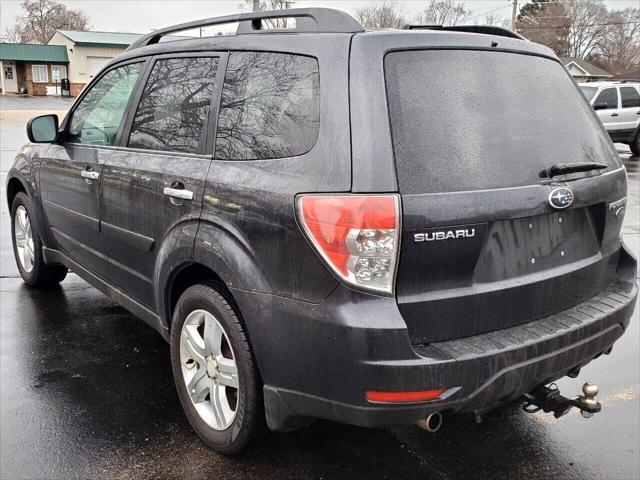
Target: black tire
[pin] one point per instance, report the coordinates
(635, 144)
(40, 275)
(249, 424)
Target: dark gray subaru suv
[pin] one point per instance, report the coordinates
(378, 228)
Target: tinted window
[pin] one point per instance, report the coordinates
(174, 105)
(270, 106)
(470, 120)
(608, 97)
(97, 118)
(630, 97)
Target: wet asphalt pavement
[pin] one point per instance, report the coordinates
(86, 392)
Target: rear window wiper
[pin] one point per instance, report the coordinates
(565, 168)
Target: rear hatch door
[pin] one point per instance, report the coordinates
(483, 246)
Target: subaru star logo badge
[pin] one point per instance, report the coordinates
(561, 197)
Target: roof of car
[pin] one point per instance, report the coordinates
(610, 83)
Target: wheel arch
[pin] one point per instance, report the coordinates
(187, 275)
(15, 186)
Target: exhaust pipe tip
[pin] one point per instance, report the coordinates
(432, 423)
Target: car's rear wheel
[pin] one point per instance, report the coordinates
(27, 246)
(635, 144)
(214, 371)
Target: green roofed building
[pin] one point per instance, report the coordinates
(32, 69)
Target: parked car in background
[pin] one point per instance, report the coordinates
(618, 107)
(318, 235)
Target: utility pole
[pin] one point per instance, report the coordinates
(256, 5)
(514, 14)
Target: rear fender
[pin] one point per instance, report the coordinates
(224, 250)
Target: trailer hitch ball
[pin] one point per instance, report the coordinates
(550, 400)
(590, 390)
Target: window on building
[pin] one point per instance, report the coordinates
(630, 97)
(270, 106)
(97, 117)
(175, 105)
(58, 72)
(40, 73)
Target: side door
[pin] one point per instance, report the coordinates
(70, 173)
(151, 193)
(606, 106)
(629, 108)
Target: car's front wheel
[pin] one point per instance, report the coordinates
(27, 246)
(214, 371)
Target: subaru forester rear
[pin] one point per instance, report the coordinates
(377, 228)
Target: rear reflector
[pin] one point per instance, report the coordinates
(400, 397)
(357, 235)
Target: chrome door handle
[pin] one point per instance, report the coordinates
(178, 193)
(89, 174)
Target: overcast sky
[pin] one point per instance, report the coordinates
(141, 16)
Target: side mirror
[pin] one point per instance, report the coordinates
(43, 129)
(600, 106)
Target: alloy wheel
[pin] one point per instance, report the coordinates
(23, 238)
(209, 369)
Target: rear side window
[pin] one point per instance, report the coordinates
(175, 105)
(471, 120)
(630, 97)
(608, 99)
(270, 106)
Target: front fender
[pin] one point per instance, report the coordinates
(25, 170)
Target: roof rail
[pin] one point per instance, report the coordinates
(485, 29)
(318, 20)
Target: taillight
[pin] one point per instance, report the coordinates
(357, 235)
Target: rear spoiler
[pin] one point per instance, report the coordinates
(484, 29)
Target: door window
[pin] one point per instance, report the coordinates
(175, 105)
(97, 118)
(630, 97)
(608, 97)
(270, 106)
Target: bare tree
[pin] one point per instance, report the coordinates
(443, 12)
(263, 5)
(588, 23)
(11, 35)
(41, 19)
(546, 22)
(495, 20)
(619, 53)
(573, 28)
(385, 14)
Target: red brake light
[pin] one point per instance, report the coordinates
(400, 397)
(357, 235)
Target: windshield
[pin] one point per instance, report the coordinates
(471, 120)
(589, 92)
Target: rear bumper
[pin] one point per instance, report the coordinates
(322, 358)
(490, 369)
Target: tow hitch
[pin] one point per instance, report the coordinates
(548, 399)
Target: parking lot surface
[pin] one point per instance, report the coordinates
(86, 392)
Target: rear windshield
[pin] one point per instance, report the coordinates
(472, 120)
